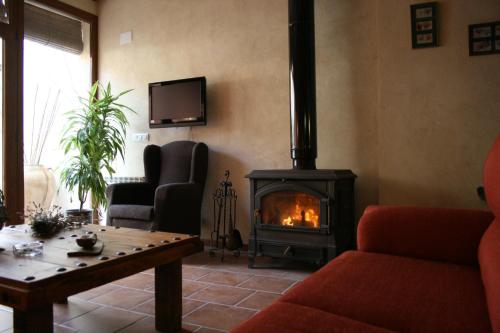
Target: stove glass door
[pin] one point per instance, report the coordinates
(291, 209)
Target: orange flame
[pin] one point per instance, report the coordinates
(303, 216)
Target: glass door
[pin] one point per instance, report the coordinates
(57, 68)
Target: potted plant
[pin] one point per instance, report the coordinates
(93, 138)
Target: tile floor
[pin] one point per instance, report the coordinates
(217, 296)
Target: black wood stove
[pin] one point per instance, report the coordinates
(301, 213)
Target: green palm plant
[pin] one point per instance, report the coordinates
(94, 136)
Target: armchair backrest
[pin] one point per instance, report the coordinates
(489, 248)
(176, 162)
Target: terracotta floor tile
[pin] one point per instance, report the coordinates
(259, 300)
(240, 265)
(147, 325)
(86, 295)
(6, 320)
(197, 259)
(222, 294)
(137, 281)
(227, 278)
(103, 320)
(208, 330)
(123, 298)
(62, 329)
(189, 305)
(190, 287)
(218, 316)
(193, 273)
(148, 307)
(230, 263)
(299, 276)
(74, 308)
(267, 283)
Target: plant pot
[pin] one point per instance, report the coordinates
(39, 185)
(82, 216)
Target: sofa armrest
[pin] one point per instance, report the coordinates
(178, 202)
(130, 194)
(440, 234)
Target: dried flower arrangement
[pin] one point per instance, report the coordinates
(45, 222)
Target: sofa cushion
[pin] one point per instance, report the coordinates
(294, 318)
(489, 261)
(398, 293)
(132, 212)
(440, 234)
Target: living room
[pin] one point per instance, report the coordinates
(414, 125)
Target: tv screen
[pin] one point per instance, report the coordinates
(178, 103)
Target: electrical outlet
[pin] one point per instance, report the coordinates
(126, 38)
(140, 137)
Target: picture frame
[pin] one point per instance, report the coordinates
(424, 25)
(484, 38)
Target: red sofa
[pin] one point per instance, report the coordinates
(416, 270)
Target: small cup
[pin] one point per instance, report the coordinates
(87, 241)
(28, 249)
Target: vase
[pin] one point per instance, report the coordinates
(39, 185)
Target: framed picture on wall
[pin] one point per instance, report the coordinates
(484, 38)
(424, 25)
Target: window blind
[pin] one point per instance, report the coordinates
(52, 29)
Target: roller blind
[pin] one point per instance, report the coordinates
(52, 29)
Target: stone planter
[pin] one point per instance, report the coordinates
(81, 216)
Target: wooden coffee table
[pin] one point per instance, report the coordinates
(31, 285)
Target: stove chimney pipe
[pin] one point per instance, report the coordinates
(303, 139)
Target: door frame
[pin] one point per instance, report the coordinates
(12, 141)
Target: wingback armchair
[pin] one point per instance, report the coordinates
(170, 198)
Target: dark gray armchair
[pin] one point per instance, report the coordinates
(170, 199)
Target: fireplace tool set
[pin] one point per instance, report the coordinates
(224, 234)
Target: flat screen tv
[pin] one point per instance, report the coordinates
(178, 103)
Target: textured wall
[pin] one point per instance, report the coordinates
(439, 109)
(410, 134)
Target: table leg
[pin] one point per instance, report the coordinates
(39, 320)
(168, 297)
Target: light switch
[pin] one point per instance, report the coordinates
(126, 38)
(140, 137)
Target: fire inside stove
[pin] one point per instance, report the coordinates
(291, 209)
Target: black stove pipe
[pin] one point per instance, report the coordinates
(303, 134)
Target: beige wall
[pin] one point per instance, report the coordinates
(439, 109)
(411, 135)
